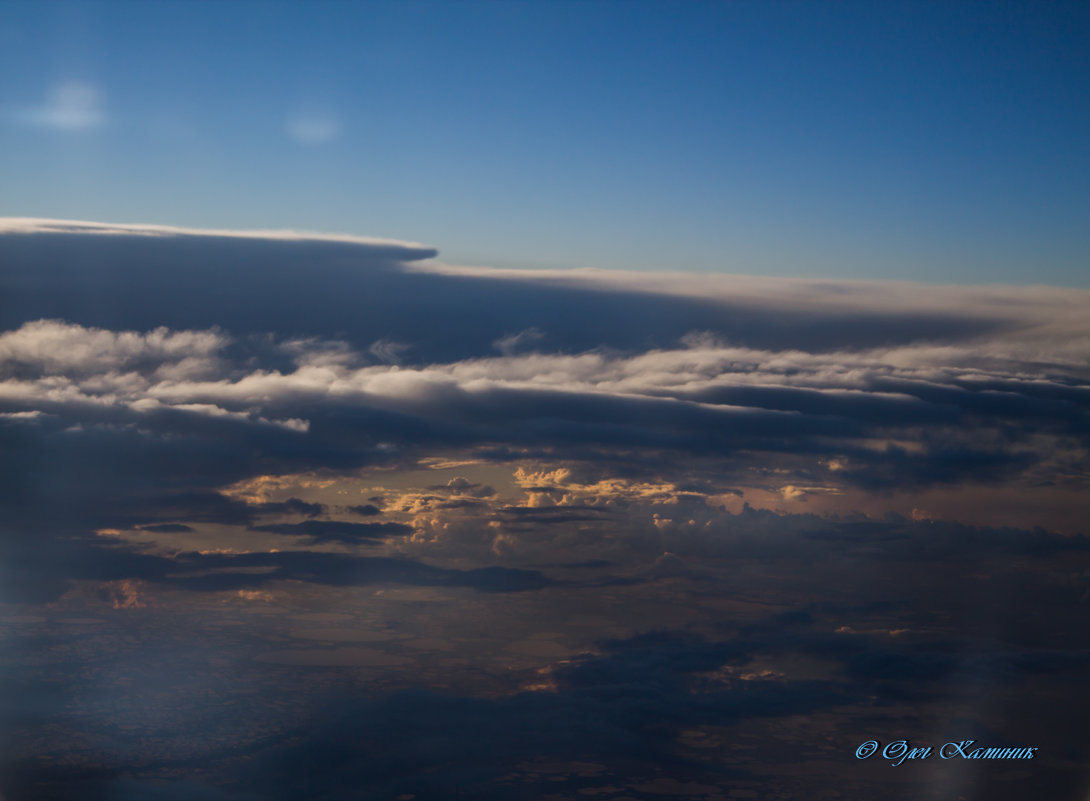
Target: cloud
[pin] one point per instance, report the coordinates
(459, 485)
(656, 558)
(116, 377)
(43, 229)
(313, 128)
(71, 106)
(901, 416)
(509, 344)
(50, 347)
(146, 370)
(360, 291)
(388, 352)
(365, 510)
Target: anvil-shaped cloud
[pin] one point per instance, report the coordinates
(311, 351)
(787, 474)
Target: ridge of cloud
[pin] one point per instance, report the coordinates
(42, 225)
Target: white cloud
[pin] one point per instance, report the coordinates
(56, 347)
(37, 225)
(388, 351)
(187, 367)
(1043, 309)
(44, 364)
(511, 343)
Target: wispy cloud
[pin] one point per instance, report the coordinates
(37, 225)
(313, 128)
(70, 106)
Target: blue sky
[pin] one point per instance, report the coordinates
(925, 141)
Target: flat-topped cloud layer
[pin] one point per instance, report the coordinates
(332, 353)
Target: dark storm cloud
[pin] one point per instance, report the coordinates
(93, 465)
(364, 510)
(142, 370)
(39, 569)
(332, 416)
(114, 278)
(809, 367)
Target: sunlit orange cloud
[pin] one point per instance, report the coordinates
(433, 508)
(261, 489)
(125, 594)
(255, 595)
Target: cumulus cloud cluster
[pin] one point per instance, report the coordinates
(888, 416)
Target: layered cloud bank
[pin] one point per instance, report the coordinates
(712, 507)
(330, 353)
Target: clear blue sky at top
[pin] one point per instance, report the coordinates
(930, 141)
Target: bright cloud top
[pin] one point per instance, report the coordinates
(35, 225)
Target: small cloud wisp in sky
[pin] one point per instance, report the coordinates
(73, 106)
(310, 128)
